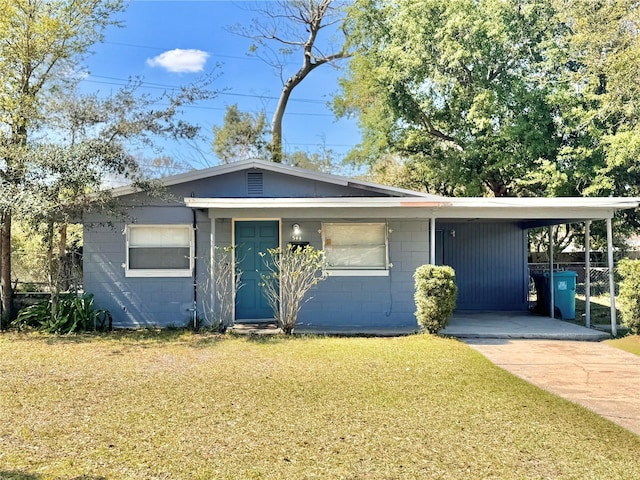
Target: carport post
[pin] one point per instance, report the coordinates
(432, 240)
(612, 285)
(552, 303)
(587, 273)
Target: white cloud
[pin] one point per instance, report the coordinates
(179, 60)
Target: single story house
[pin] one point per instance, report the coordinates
(154, 268)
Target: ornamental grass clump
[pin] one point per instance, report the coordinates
(292, 273)
(435, 296)
(629, 295)
(70, 314)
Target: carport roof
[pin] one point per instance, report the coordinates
(531, 209)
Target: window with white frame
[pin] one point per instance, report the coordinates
(351, 247)
(159, 250)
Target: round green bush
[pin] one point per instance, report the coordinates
(435, 296)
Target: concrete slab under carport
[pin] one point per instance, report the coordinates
(517, 325)
(507, 325)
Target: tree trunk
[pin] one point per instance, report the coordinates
(63, 265)
(276, 122)
(53, 272)
(314, 16)
(6, 289)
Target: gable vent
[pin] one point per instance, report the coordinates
(255, 184)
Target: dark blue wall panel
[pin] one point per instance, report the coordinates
(490, 260)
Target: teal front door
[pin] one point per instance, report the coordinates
(251, 239)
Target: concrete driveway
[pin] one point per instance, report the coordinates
(599, 377)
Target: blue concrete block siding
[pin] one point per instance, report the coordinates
(139, 302)
(489, 258)
(371, 301)
(348, 301)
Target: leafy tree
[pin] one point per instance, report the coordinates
(597, 98)
(42, 42)
(536, 97)
(321, 161)
(57, 147)
(162, 166)
(242, 136)
(599, 108)
(461, 88)
(296, 27)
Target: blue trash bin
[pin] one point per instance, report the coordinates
(564, 293)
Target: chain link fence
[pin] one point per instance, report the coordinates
(599, 275)
(30, 273)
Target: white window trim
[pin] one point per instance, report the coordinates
(152, 272)
(359, 272)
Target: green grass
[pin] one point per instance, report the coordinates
(600, 314)
(181, 406)
(629, 343)
(600, 310)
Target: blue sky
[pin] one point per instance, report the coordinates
(146, 47)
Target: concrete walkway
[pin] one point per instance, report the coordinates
(593, 374)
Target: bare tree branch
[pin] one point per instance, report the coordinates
(295, 26)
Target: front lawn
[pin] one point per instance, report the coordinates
(630, 343)
(182, 406)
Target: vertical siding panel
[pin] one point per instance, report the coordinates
(489, 261)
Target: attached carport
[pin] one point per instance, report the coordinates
(530, 212)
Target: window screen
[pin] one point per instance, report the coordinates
(355, 245)
(158, 249)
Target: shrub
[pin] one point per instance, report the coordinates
(292, 273)
(72, 314)
(435, 296)
(224, 282)
(629, 296)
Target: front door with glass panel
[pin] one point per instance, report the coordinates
(253, 238)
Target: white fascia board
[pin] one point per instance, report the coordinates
(568, 208)
(552, 203)
(574, 209)
(530, 213)
(347, 207)
(449, 204)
